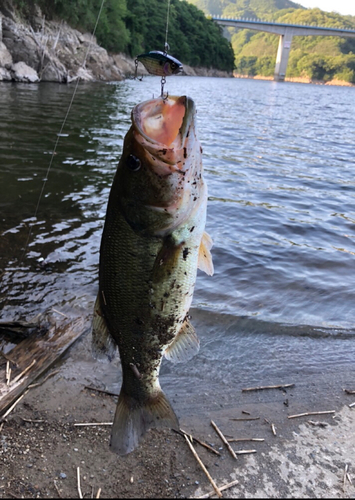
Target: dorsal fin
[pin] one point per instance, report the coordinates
(184, 346)
(204, 257)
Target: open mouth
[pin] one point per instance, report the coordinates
(165, 121)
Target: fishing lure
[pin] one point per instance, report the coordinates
(159, 63)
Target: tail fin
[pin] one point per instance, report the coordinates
(132, 420)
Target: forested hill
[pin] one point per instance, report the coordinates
(315, 57)
(136, 26)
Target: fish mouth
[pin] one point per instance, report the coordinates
(165, 121)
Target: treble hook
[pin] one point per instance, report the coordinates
(163, 81)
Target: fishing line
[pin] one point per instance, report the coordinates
(61, 132)
(166, 48)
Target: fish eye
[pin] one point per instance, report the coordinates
(133, 163)
(173, 65)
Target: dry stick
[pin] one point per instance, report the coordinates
(344, 477)
(351, 405)
(281, 386)
(83, 424)
(244, 452)
(243, 419)
(98, 493)
(55, 310)
(202, 443)
(348, 391)
(215, 487)
(56, 487)
(238, 440)
(311, 413)
(8, 373)
(31, 386)
(100, 390)
(318, 424)
(13, 406)
(23, 372)
(78, 478)
(273, 428)
(231, 451)
(222, 488)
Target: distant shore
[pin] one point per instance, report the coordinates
(298, 79)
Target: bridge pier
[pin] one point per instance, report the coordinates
(283, 53)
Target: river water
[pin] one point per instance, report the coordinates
(279, 164)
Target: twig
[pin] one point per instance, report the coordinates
(83, 424)
(311, 413)
(344, 477)
(182, 433)
(78, 479)
(8, 373)
(13, 406)
(239, 440)
(318, 424)
(56, 487)
(281, 386)
(31, 421)
(246, 412)
(100, 390)
(31, 386)
(244, 418)
(23, 372)
(273, 428)
(222, 488)
(215, 487)
(55, 310)
(98, 493)
(244, 452)
(348, 391)
(231, 451)
(351, 405)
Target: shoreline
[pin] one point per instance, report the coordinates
(339, 83)
(43, 451)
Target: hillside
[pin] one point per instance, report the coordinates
(136, 26)
(319, 58)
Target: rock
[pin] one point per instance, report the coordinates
(5, 74)
(21, 72)
(5, 57)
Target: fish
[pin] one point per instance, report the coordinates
(160, 63)
(152, 244)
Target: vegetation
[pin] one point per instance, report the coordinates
(136, 26)
(315, 57)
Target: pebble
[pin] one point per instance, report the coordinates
(62, 475)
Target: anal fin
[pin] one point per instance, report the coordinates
(184, 346)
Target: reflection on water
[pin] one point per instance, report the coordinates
(280, 171)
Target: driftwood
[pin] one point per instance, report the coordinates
(44, 349)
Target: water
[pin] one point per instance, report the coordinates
(279, 163)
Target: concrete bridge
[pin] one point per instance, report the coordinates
(286, 32)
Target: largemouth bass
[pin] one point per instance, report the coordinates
(152, 244)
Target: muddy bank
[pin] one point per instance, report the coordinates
(52, 51)
(41, 448)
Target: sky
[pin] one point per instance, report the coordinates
(341, 6)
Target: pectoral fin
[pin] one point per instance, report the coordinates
(184, 346)
(204, 257)
(103, 346)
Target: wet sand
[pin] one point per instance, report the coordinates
(41, 448)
